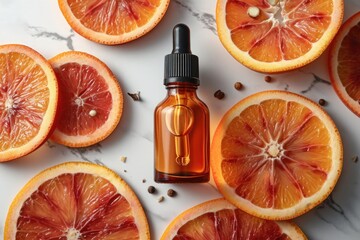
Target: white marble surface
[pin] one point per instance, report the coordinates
(139, 67)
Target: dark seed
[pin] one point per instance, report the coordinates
(238, 86)
(151, 189)
(322, 102)
(268, 79)
(171, 193)
(219, 94)
(144, 180)
(135, 96)
(355, 159)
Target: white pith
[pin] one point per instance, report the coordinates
(73, 234)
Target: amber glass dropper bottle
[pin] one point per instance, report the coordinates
(181, 119)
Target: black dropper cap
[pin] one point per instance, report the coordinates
(181, 66)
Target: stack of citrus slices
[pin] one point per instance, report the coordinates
(76, 201)
(277, 35)
(78, 105)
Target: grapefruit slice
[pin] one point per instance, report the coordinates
(218, 219)
(28, 101)
(284, 36)
(73, 201)
(276, 155)
(113, 22)
(91, 98)
(343, 63)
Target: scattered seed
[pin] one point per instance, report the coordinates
(160, 199)
(253, 12)
(273, 2)
(144, 180)
(125, 171)
(151, 189)
(268, 79)
(123, 159)
(135, 96)
(355, 159)
(322, 102)
(171, 193)
(92, 113)
(219, 94)
(238, 86)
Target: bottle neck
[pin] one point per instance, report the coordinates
(184, 89)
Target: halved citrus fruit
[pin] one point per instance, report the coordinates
(277, 35)
(76, 200)
(91, 99)
(344, 59)
(276, 155)
(113, 22)
(28, 100)
(218, 219)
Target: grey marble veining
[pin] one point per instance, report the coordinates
(207, 19)
(85, 153)
(315, 81)
(39, 32)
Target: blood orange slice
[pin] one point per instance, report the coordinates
(277, 35)
(74, 201)
(113, 22)
(28, 101)
(276, 155)
(218, 219)
(91, 99)
(343, 63)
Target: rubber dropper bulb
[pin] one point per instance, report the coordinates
(181, 39)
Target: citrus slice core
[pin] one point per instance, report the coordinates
(28, 100)
(282, 35)
(276, 155)
(218, 219)
(76, 201)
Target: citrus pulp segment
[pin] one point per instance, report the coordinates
(276, 155)
(218, 219)
(285, 35)
(76, 200)
(28, 100)
(343, 63)
(91, 97)
(113, 21)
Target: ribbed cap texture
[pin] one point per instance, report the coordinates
(181, 67)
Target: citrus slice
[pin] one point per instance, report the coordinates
(113, 22)
(344, 58)
(73, 201)
(277, 35)
(28, 100)
(276, 155)
(218, 219)
(91, 99)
